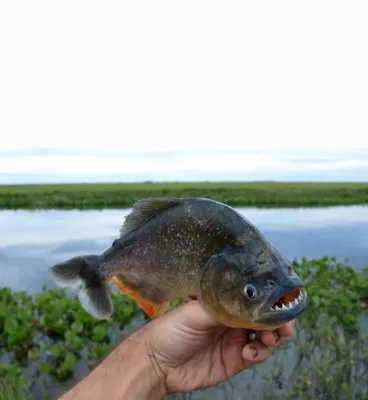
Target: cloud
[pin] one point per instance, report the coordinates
(179, 164)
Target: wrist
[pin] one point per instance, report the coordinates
(144, 377)
(128, 372)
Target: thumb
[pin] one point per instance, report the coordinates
(193, 316)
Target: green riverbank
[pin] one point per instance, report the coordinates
(122, 195)
(47, 337)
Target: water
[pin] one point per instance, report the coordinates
(32, 241)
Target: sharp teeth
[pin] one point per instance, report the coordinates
(290, 305)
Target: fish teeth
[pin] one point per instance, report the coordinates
(291, 304)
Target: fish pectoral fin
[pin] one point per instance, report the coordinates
(152, 309)
(161, 309)
(190, 298)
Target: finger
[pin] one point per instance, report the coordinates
(254, 353)
(286, 330)
(270, 338)
(277, 337)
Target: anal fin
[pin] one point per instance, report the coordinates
(152, 309)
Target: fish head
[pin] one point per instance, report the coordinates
(255, 290)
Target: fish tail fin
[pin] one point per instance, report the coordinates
(94, 294)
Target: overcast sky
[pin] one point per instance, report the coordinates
(119, 90)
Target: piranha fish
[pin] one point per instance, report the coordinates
(189, 248)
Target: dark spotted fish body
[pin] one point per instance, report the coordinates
(185, 248)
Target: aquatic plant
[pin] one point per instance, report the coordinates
(48, 333)
(48, 336)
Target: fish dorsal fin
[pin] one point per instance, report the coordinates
(143, 210)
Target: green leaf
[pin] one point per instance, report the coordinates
(99, 332)
(55, 351)
(43, 320)
(42, 345)
(33, 354)
(70, 360)
(45, 368)
(77, 327)
(11, 325)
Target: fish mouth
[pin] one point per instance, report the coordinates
(291, 304)
(290, 300)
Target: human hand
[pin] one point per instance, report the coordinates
(190, 351)
(181, 351)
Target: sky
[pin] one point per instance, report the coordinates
(195, 90)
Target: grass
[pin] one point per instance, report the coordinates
(122, 195)
(43, 337)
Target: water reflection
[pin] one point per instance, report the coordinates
(30, 242)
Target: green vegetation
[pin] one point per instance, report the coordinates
(48, 334)
(331, 348)
(118, 195)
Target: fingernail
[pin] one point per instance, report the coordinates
(254, 352)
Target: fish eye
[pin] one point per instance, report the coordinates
(250, 291)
